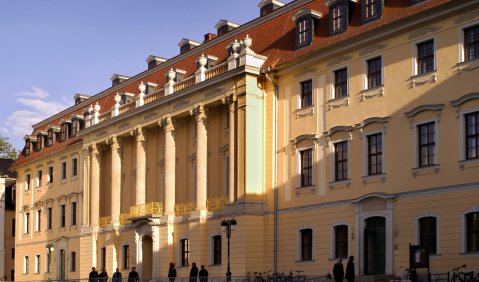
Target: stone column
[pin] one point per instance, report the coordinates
(155, 236)
(95, 186)
(140, 166)
(115, 180)
(170, 165)
(201, 157)
(231, 149)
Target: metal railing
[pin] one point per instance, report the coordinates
(216, 204)
(104, 221)
(146, 209)
(185, 208)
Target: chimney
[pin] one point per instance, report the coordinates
(224, 26)
(153, 61)
(117, 79)
(268, 6)
(186, 45)
(80, 98)
(209, 36)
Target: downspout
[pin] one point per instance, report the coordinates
(266, 72)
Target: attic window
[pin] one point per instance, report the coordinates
(50, 138)
(371, 10)
(306, 24)
(28, 143)
(268, 8)
(223, 30)
(224, 26)
(338, 17)
(64, 132)
(186, 45)
(39, 144)
(76, 126)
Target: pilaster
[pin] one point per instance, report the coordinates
(95, 185)
(199, 112)
(140, 165)
(115, 179)
(170, 164)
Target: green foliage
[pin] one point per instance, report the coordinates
(7, 150)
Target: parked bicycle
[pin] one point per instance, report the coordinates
(460, 274)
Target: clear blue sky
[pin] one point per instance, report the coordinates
(52, 49)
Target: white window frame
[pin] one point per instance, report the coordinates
(461, 40)
(462, 133)
(365, 71)
(415, 43)
(416, 144)
(180, 255)
(464, 233)
(212, 248)
(50, 177)
(39, 182)
(332, 88)
(299, 80)
(366, 150)
(332, 159)
(72, 167)
(26, 227)
(298, 165)
(28, 180)
(26, 264)
(298, 243)
(418, 231)
(332, 233)
(37, 264)
(63, 172)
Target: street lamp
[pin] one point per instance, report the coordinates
(50, 248)
(228, 225)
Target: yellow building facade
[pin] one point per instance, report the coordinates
(350, 135)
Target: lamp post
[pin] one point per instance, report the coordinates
(228, 225)
(50, 248)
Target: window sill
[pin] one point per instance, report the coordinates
(62, 229)
(305, 189)
(467, 66)
(38, 233)
(49, 231)
(337, 102)
(27, 192)
(423, 78)
(476, 253)
(469, 163)
(74, 178)
(305, 261)
(374, 178)
(346, 183)
(49, 185)
(63, 181)
(432, 169)
(303, 112)
(73, 227)
(372, 92)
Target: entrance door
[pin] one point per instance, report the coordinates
(147, 250)
(62, 264)
(375, 246)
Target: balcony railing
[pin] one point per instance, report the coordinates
(154, 96)
(127, 107)
(146, 209)
(217, 70)
(216, 204)
(184, 208)
(104, 221)
(125, 218)
(185, 83)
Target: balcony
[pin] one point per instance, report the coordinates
(184, 208)
(104, 221)
(216, 204)
(146, 210)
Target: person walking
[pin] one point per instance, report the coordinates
(133, 275)
(338, 271)
(172, 272)
(350, 275)
(93, 276)
(193, 272)
(203, 274)
(116, 276)
(103, 275)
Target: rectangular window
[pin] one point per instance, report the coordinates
(39, 178)
(374, 74)
(64, 170)
(38, 226)
(185, 253)
(306, 167)
(426, 144)
(74, 214)
(13, 227)
(341, 83)
(27, 182)
(306, 93)
(49, 218)
(64, 132)
(371, 8)
(341, 160)
(103, 258)
(303, 29)
(428, 233)
(126, 257)
(425, 57)
(27, 223)
(341, 241)
(25, 265)
(472, 232)
(472, 135)
(471, 43)
(375, 154)
(216, 249)
(37, 264)
(13, 253)
(338, 17)
(306, 244)
(50, 174)
(62, 216)
(74, 167)
(73, 261)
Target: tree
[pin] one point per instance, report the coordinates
(7, 150)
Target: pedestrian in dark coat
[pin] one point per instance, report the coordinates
(133, 275)
(172, 272)
(103, 275)
(93, 276)
(350, 275)
(116, 276)
(338, 271)
(193, 272)
(203, 274)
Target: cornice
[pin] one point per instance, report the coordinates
(422, 108)
(464, 99)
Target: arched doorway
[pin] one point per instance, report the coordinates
(375, 245)
(147, 256)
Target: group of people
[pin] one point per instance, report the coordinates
(103, 276)
(338, 270)
(194, 273)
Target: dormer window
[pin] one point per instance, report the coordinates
(50, 138)
(186, 45)
(28, 143)
(64, 132)
(371, 10)
(306, 24)
(224, 26)
(268, 6)
(266, 9)
(39, 144)
(338, 17)
(76, 126)
(126, 98)
(154, 61)
(117, 79)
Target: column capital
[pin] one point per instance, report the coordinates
(93, 148)
(229, 100)
(113, 142)
(139, 133)
(199, 112)
(167, 123)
